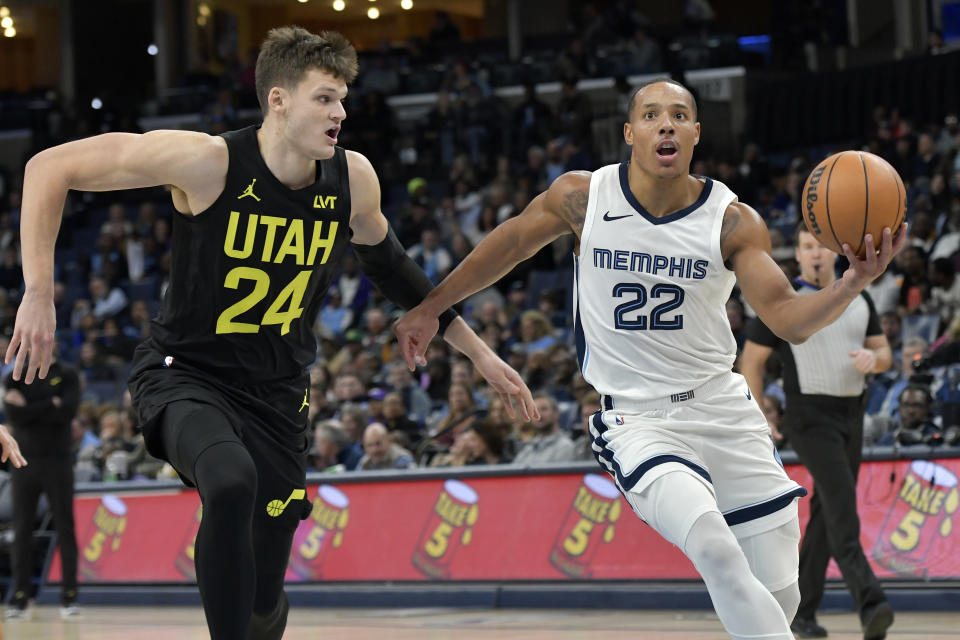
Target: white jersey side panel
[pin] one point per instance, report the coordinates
(650, 293)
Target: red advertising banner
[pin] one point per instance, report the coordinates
(529, 527)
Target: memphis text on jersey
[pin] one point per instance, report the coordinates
(656, 264)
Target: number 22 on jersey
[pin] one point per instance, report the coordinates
(657, 319)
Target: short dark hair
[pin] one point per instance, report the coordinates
(288, 53)
(633, 98)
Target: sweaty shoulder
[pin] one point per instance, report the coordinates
(567, 197)
(742, 229)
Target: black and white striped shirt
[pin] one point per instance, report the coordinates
(822, 365)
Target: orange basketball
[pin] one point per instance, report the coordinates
(851, 194)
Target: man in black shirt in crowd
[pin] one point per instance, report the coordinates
(40, 415)
(221, 388)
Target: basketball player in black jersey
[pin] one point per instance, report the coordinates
(265, 216)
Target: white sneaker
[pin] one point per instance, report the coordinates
(70, 611)
(17, 613)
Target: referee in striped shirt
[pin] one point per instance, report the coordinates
(823, 381)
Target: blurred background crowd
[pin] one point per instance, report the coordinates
(490, 132)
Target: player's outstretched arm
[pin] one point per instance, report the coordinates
(11, 450)
(112, 161)
(398, 277)
(745, 244)
(559, 210)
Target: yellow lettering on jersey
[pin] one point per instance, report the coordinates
(271, 223)
(230, 240)
(320, 241)
(324, 202)
(293, 243)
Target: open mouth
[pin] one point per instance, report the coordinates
(667, 150)
(332, 133)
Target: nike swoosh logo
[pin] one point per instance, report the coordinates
(607, 217)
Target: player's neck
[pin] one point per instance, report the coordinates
(291, 168)
(663, 196)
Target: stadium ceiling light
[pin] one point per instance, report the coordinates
(9, 32)
(339, 5)
(373, 13)
(4, 12)
(6, 22)
(406, 5)
(303, 1)
(152, 49)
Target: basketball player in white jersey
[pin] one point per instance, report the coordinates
(658, 251)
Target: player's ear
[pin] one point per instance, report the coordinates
(696, 140)
(278, 98)
(628, 133)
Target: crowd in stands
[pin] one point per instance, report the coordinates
(469, 164)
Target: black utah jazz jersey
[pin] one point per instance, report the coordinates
(248, 275)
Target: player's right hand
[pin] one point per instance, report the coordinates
(33, 337)
(414, 332)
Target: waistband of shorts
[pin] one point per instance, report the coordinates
(677, 399)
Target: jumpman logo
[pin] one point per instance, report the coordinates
(306, 400)
(249, 192)
(276, 507)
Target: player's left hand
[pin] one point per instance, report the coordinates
(864, 360)
(508, 383)
(865, 270)
(11, 450)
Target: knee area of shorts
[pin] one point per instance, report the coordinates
(226, 475)
(711, 543)
(789, 600)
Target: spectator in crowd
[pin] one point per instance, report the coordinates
(354, 419)
(913, 423)
(460, 413)
(536, 332)
(335, 317)
(913, 349)
(414, 398)
(334, 450)
(892, 327)
(380, 452)
(117, 224)
(944, 299)
(914, 288)
(396, 421)
(644, 53)
(107, 300)
(549, 444)
(433, 258)
(348, 387)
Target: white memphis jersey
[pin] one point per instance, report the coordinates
(650, 293)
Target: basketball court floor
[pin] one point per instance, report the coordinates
(186, 623)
